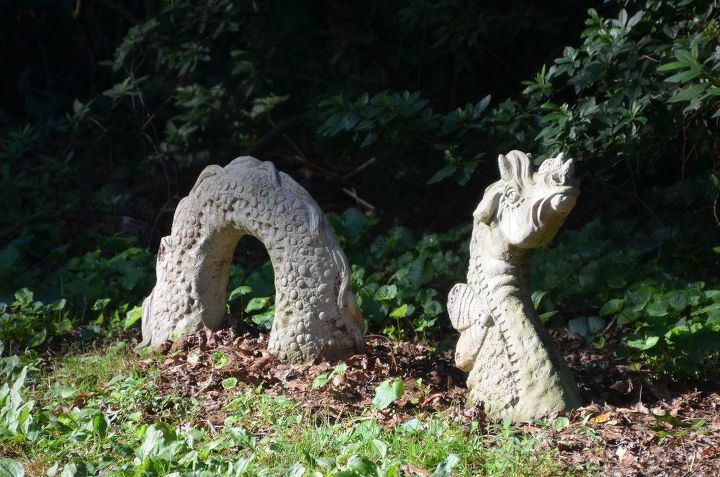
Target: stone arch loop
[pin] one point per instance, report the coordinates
(315, 310)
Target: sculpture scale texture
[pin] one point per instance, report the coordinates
(515, 369)
(315, 310)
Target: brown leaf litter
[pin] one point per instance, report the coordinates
(625, 430)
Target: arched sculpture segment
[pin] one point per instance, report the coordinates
(515, 369)
(315, 310)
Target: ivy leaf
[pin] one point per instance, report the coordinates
(657, 308)
(677, 299)
(400, 312)
(100, 425)
(561, 423)
(611, 307)
(627, 316)
(388, 392)
(219, 360)
(11, 468)
(419, 273)
(361, 467)
(537, 297)
(321, 380)
(352, 223)
(386, 292)
(640, 296)
(443, 174)
(587, 327)
(644, 343)
(265, 319)
(444, 468)
(239, 291)
(153, 440)
(257, 304)
(132, 316)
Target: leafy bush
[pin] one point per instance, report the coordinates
(608, 99)
(590, 276)
(400, 282)
(25, 323)
(675, 331)
(125, 276)
(251, 295)
(16, 420)
(406, 120)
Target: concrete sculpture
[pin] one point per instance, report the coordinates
(315, 310)
(515, 369)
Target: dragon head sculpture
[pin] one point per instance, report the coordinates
(526, 207)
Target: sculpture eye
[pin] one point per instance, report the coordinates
(555, 179)
(511, 196)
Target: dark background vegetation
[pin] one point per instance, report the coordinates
(391, 114)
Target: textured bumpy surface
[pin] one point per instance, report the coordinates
(315, 310)
(515, 369)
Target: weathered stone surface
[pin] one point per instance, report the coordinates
(515, 369)
(315, 310)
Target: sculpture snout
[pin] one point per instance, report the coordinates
(564, 201)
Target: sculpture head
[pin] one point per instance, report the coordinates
(526, 207)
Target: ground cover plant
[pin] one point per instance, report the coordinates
(391, 115)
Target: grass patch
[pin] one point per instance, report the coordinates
(99, 411)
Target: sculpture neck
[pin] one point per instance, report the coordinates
(498, 268)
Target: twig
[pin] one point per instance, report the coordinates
(278, 130)
(360, 168)
(78, 7)
(609, 325)
(326, 172)
(359, 200)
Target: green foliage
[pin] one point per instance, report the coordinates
(384, 104)
(112, 285)
(185, 84)
(675, 331)
(587, 267)
(16, 419)
(388, 392)
(11, 468)
(622, 98)
(322, 379)
(251, 295)
(399, 283)
(670, 324)
(648, 76)
(405, 120)
(126, 276)
(100, 413)
(26, 323)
